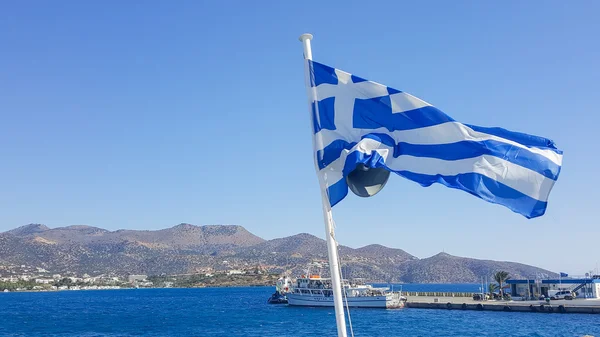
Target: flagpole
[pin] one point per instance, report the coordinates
(329, 233)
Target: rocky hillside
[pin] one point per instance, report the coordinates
(446, 268)
(187, 248)
(182, 236)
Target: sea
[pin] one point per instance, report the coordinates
(243, 311)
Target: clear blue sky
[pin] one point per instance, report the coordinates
(146, 114)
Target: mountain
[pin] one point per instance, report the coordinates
(182, 236)
(28, 229)
(378, 251)
(187, 248)
(446, 268)
(297, 245)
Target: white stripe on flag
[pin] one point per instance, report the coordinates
(512, 175)
(446, 133)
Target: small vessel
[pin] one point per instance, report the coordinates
(282, 287)
(315, 291)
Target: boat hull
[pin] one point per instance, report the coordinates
(353, 302)
(277, 298)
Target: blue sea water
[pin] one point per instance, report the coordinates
(244, 312)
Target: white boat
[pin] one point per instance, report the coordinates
(315, 291)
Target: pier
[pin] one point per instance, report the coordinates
(460, 301)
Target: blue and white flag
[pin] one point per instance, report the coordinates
(359, 121)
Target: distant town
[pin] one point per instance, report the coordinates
(31, 278)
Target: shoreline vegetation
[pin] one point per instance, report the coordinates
(186, 281)
(217, 280)
(175, 281)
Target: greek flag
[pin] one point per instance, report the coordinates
(359, 121)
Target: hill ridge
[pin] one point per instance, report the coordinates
(188, 248)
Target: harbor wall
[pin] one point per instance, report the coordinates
(511, 306)
(437, 294)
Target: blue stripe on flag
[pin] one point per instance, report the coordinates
(326, 114)
(356, 79)
(474, 183)
(521, 138)
(374, 113)
(333, 151)
(337, 192)
(320, 73)
(470, 149)
(392, 91)
(485, 188)
(454, 151)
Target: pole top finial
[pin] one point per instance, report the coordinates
(305, 36)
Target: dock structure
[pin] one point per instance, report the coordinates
(563, 295)
(580, 306)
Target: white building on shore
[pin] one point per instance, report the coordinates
(137, 278)
(44, 280)
(581, 287)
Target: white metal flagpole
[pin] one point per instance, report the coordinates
(329, 234)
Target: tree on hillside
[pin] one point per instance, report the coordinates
(501, 277)
(65, 281)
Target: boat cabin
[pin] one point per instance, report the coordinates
(316, 285)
